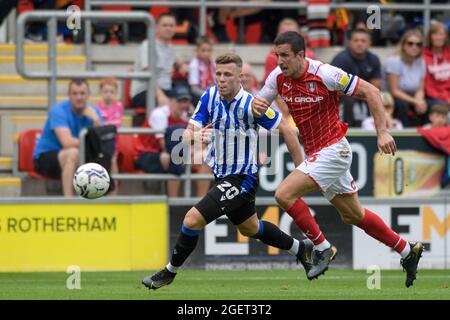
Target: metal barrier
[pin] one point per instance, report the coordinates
(187, 176)
(52, 74)
(426, 7)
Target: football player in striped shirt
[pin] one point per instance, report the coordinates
(225, 120)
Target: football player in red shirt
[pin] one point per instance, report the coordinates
(311, 90)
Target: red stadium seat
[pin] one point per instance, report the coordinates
(156, 11)
(26, 143)
(24, 6)
(126, 153)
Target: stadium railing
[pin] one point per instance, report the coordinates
(426, 7)
(52, 18)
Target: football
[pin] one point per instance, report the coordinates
(91, 181)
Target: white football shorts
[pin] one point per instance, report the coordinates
(330, 169)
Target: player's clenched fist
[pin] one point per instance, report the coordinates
(259, 106)
(206, 134)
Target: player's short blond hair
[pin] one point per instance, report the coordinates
(227, 58)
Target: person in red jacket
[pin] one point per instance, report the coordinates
(437, 58)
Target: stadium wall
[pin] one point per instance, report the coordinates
(419, 219)
(52, 234)
(414, 171)
(137, 233)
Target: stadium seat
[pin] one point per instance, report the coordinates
(126, 153)
(25, 150)
(24, 6)
(139, 112)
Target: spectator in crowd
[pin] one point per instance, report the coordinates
(405, 74)
(165, 63)
(317, 13)
(110, 108)
(248, 79)
(202, 67)
(356, 59)
(287, 24)
(392, 124)
(154, 151)
(112, 112)
(438, 116)
(7, 5)
(56, 151)
(267, 17)
(437, 59)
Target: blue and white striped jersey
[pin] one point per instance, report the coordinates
(233, 147)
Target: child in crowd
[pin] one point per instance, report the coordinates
(112, 112)
(388, 103)
(202, 68)
(438, 116)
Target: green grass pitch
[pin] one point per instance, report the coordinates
(223, 285)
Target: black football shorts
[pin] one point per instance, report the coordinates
(233, 196)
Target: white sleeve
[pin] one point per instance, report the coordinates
(336, 79)
(194, 79)
(159, 121)
(270, 89)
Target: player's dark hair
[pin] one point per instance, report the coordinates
(293, 38)
(163, 15)
(360, 31)
(229, 58)
(78, 82)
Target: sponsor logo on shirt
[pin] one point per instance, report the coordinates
(287, 85)
(270, 113)
(344, 79)
(303, 99)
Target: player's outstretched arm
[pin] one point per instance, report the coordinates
(371, 94)
(291, 139)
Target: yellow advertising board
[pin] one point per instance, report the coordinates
(100, 236)
(409, 173)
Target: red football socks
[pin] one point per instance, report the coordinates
(375, 227)
(305, 221)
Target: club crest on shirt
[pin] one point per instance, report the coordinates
(288, 85)
(311, 86)
(240, 113)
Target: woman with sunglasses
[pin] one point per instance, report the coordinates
(405, 74)
(437, 58)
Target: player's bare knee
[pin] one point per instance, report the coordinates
(192, 220)
(352, 218)
(281, 198)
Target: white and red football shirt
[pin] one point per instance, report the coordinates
(313, 101)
